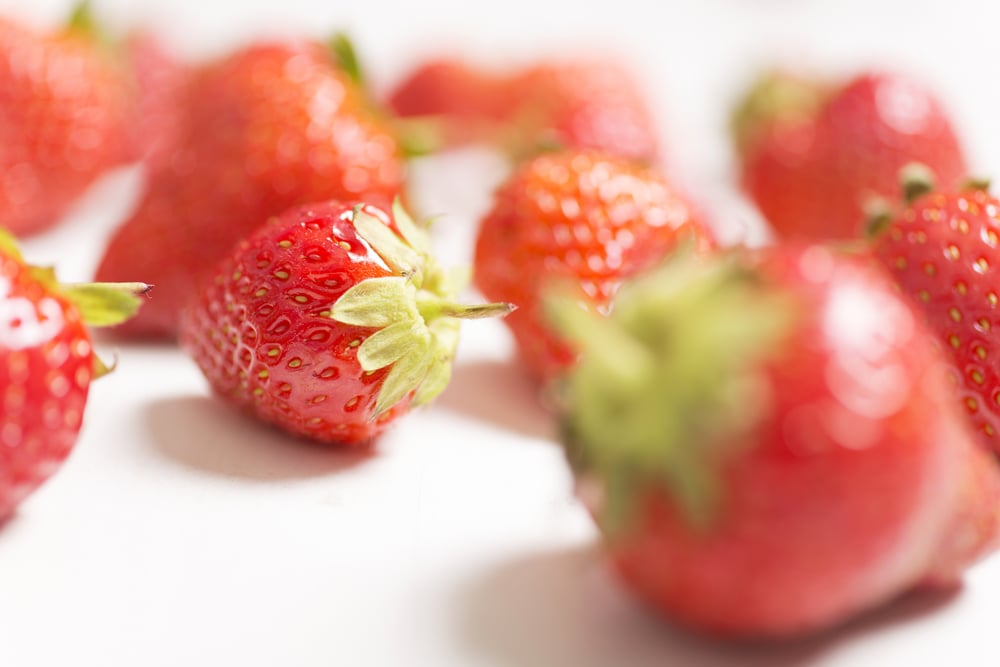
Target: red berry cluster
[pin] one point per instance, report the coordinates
(771, 440)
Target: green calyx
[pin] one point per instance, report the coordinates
(415, 312)
(346, 57)
(775, 97)
(665, 387)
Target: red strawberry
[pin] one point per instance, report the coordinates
(572, 104)
(591, 105)
(473, 103)
(942, 250)
(162, 85)
(267, 128)
(46, 366)
(579, 215)
(812, 159)
(64, 111)
(767, 441)
(329, 321)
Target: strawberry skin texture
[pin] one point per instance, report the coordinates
(942, 251)
(848, 486)
(267, 128)
(812, 177)
(261, 330)
(45, 373)
(584, 216)
(64, 117)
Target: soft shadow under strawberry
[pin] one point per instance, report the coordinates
(203, 433)
(498, 393)
(565, 609)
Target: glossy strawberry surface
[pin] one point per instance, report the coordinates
(793, 465)
(943, 251)
(45, 372)
(581, 216)
(65, 106)
(268, 127)
(813, 174)
(262, 331)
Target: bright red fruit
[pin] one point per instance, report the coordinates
(46, 366)
(768, 442)
(65, 107)
(581, 216)
(571, 104)
(329, 322)
(266, 128)
(942, 250)
(814, 158)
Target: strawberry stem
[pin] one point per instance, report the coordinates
(343, 51)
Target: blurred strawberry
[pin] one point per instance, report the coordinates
(64, 113)
(768, 442)
(162, 83)
(568, 104)
(265, 128)
(813, 158)
(582, 216)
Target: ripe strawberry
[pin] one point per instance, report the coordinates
(590, 105)
(329, 321)
(46, 366)
(813, 158)
(579, 215)
(942, 250)
(162, 84)
(472, 102)
(268, 127)
(767, 441)
(64, 112)
(572, 104)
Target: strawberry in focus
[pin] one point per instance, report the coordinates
(47, 363)
(568, 104)
(65, 105)
(266, 128)
(813, 158)
(329, 322)
(768, 444)
(942, 249)
(576, 215)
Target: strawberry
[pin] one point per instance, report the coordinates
(767, 442)
(46, 366)
(579, 215)
(266, 128)
(472, 102)
(813, 158)
(568, 104)
(942, 250)
(64, 112)
(329, 322)
(162, 84)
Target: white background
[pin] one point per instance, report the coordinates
(181, 533)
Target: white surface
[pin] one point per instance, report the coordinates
(180, 533)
